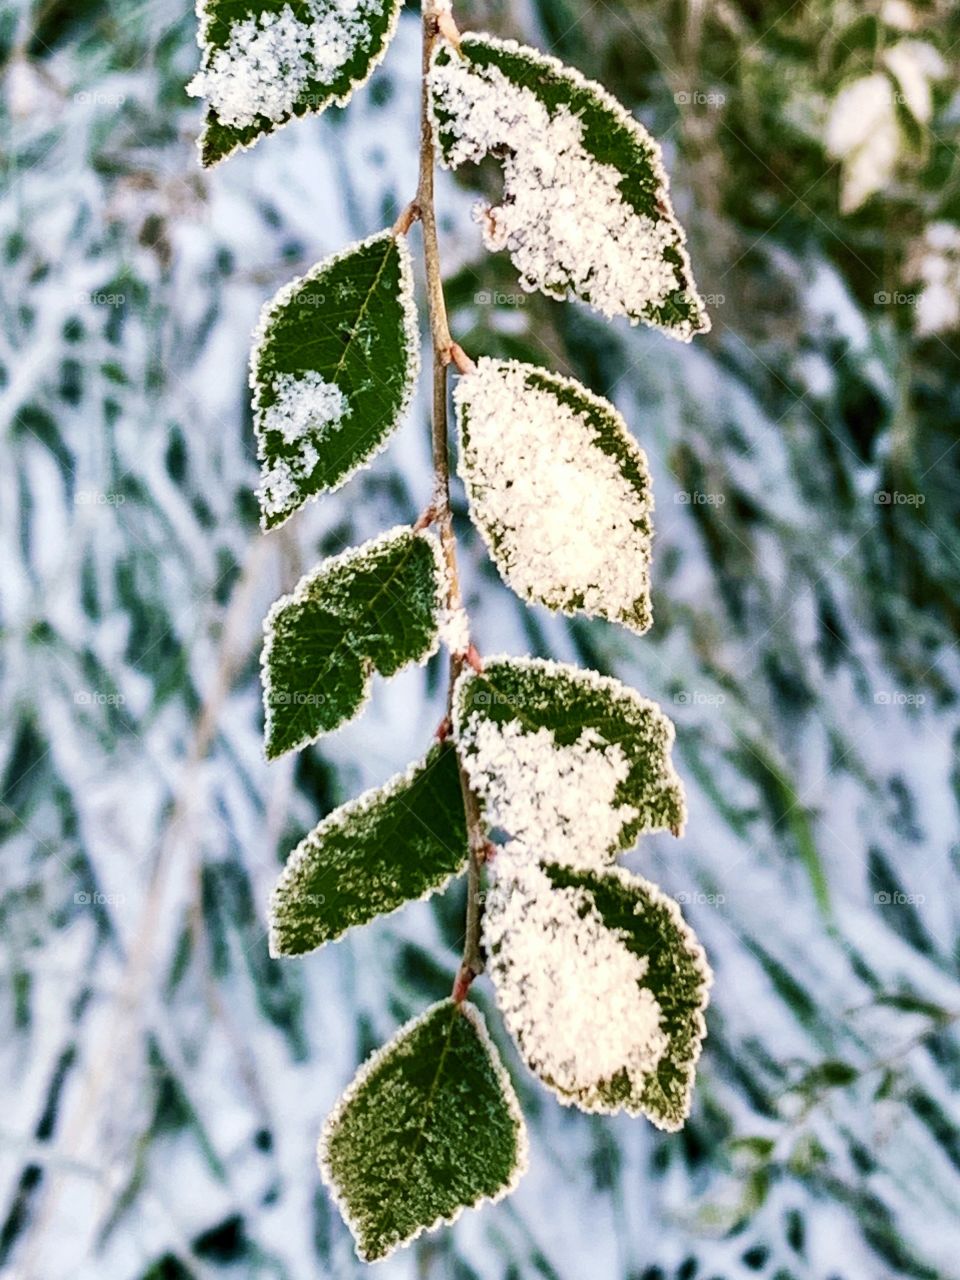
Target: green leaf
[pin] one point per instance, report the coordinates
(333, 367)
(585, 208)
(270, 61)
(429, 1127)
(563, 498)
(373, 608)
(572, 763)
(602, 984)
(399, 842)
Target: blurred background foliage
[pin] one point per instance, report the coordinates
(164, 1080)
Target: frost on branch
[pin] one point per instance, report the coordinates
(429, 1127)
(562, 497)
(570, 763)
(585, 208)
(265, 62)
(396, 843)
(373, 608)
(333, 367)
(601, 982)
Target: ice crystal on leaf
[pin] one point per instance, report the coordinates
(585, 208)
(570, 763)
(333, 367)
(562, 497)
(429, 1127)
(281, 60)
(393, 844)
(373, 608)
(600, 981)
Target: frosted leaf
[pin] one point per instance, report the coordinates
(862, 132)
(333, 367)
(429, 1127)
(563, 497)
(373, 608)
(569, 763)
(601, 983)
(916, 65)
(393, 844)
(265, 63)
(585, 208)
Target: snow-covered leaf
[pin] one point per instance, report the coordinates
(265, 62)
(562, 497)
(333, 367)
(585, 208)
(398, 842)
(372, 608)
(601, 982)
(571, 763)
(429, 1127)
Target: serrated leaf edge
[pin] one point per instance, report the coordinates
(694, 948)
(477, 1020)
(617, 108)
(302, 590)
(335, 819)
(411, 328)
(636, 451)
(203, 43)
(582, 675)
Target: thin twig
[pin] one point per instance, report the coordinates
(445, 351)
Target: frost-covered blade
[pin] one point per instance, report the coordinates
(429, 1127)
(333, 367)
(266, 62)
(602, 984)
(585, 208)
(399, 842)
(563, 497)
(374, 608)
(571, 763)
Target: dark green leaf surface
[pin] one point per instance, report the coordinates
(394, 844)
(429, 1126)
(373, 608)
(313, 93)
(567, 700)
(350, 327)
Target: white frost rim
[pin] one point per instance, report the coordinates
(478, 1022)
(411, 330)
(302, 591)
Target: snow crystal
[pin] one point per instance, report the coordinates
(558, 800)
(306, 412)
(271, 58)
(566, 526)
(568, 987)
(562, 217)
(454, 626)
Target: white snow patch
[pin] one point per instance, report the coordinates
(562, 218)
(271, 58)
(306, 412)
(558, 801)
(568, 987)
(565, 525)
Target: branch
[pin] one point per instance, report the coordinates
(436, 18)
